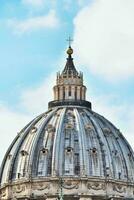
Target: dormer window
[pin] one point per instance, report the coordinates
(93, 150)
(34, 129)
(69, 150)
(24, 153)
(44, 151)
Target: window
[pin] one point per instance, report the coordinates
(69, 94)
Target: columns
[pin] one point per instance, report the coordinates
(69, 92)
(61, 93)
(66, 92)
(83, 93)
(78, 93)
(73, 92)
(55, 89)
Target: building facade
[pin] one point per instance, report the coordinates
(68, 152)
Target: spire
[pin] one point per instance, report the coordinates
(69, 67)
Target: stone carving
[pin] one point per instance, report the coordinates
(88, 127)
(14, 198)
(3, 193)
(69, 126)
(50, 128)
(42, 196)
(107, 131)
(96, 186)
(34, 129)
(41, 186)
(70, 185)
(18, 188)
(119, 188)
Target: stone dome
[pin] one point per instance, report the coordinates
(71, 143)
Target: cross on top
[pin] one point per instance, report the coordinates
(69, 40)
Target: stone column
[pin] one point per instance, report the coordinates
(73, 92)
(83, 93)
(61, 93)
(55, 89)
(66, 92)
(78, 93)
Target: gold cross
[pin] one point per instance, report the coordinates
(69, 40)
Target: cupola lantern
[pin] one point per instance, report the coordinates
(69, 86)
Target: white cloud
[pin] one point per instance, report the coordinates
(11, 122)
(82, 2)
(35, 100)
(34, 23)
(104, 38)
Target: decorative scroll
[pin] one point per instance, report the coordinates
(96, 186)
(18, 188)
(70, 185)
(119, 188)
(41, 186)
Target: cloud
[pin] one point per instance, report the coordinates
(34, 23)
(35, 100)
(104, 38)
(11, 122)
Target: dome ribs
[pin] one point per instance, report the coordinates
(71, 162)
(22, 167)
(91, 146)
(82, 145)
(37, 170)
(95, 149)
(105, 157)
(120, 160)
(56, 159)
(14, 161)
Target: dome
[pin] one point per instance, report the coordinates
(69, 151)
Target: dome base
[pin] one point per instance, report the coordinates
(83, 103)
(84, 188)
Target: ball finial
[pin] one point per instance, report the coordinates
(70, 51)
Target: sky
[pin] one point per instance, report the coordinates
(33, 47)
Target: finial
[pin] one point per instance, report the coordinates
(70, 50)
(69, 40)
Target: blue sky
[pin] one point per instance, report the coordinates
(33, 37)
